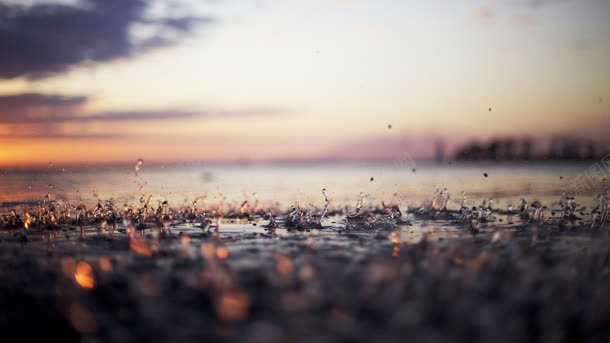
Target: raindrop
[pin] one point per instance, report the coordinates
(139, 163)
(326, 204)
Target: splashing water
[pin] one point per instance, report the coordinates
(524, 208)
(326, 204)
(139, 163)
(568, 207)
(307, 220)
(485, 212)
(509, 214)
(360, 203)
(244, 208)
(463, 203)
(272, 222)
(294, 216)
(440, 199)
(600, 216)
(537, 215)
(81, 218)
(54, 214)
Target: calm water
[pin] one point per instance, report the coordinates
(286, 184)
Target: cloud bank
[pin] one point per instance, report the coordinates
(42, 39)
(43, 116)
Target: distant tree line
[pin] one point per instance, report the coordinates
(511, 149)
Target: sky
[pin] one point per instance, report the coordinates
(98, 81)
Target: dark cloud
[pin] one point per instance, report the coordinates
(37, 109)
(46, 134)
(44, 39)
(135, 116)
(535, 4)
(21, 102)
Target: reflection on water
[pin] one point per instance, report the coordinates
(286, 184)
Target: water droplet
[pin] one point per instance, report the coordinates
(139, 163)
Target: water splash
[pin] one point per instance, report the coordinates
(272, 222)
(136, 168)
(524, 209)
(310, 219)
(360, 202)
(326, 204)
(463, 203)
(440, 199)
(166, 219)
(509, 214)
(81, 218)
(600, 215)
(568, 207)
(537, 212)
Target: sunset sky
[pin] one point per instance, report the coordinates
(226, 80)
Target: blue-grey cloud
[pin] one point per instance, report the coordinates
(536, 3)
(46, 134)
(36, 109)
(44, 39)
(18, 102)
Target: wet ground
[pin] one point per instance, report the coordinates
(428, 278)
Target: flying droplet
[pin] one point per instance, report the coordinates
(139, 163)
(372, 178)
(485, 174)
